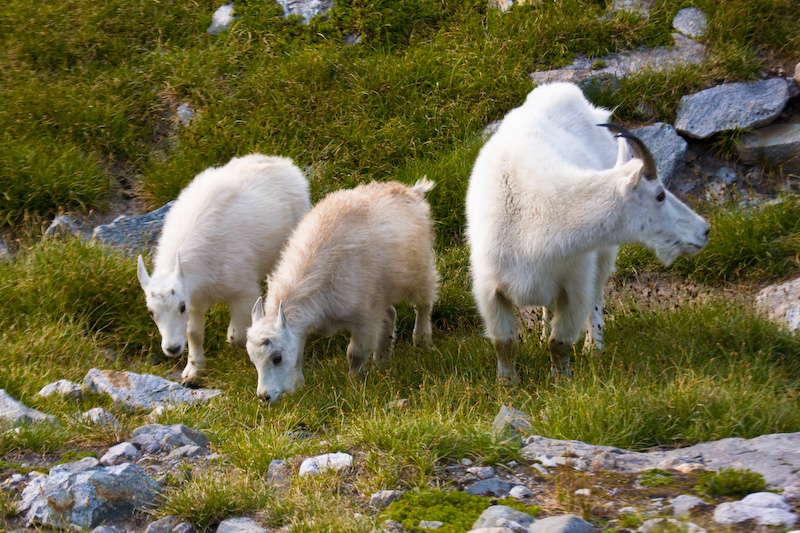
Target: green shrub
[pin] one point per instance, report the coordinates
(455, 509)
(731, 482)
(655, 477)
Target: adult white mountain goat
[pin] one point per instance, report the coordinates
(551, 198)
(356, 254)
(220, 239)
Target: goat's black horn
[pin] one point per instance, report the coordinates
(640, 150)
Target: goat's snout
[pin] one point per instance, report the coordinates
(173, 350)
(264, 397)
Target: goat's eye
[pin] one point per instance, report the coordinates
(266, 343)
(276, 360)
(660, 197)
(183, 307)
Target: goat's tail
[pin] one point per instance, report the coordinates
(422, 186)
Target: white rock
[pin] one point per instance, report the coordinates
(583, 492)
(240, 525)
(330, 461)
(63, 387)
(520, 492)
(683, 505)
(669, 524)
(382, 499)
(482, 472)
(691, 22)
(430, 524)
(17, 413)
(99, 416)
(121, 453)
(221, 19)
(765, 508)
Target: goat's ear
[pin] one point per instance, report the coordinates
(178, 270)
(258, 310)
(630, 174)
(281, 317)
(141, 273)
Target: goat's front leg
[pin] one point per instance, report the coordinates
(383, 351)
(362, 344)
(196, 364)
(501, 324)
(606, 261)
(240, 308)
(423, 336)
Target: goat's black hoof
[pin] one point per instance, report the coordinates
(192, 383)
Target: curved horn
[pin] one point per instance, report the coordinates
(639, 149)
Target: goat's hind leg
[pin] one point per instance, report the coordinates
(363, 341)
(423, 335)
(240, 308)
(383, 350)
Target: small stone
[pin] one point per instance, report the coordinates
(308, 9)
(221, 19)
(383, 499)
(562, 524)
(62, 226)
(490, 487)
(332, 461)
(164, 525)
(99, 416)
(466, 462)
(185, 114)
(684, 505)
(583, 492)
(188, 451)
(481, 472)
(107, 529)
(62, 387)
(430, 524)
(130, 234)
(123, 452)
(765, 508)
(691, 22)
(512, 423)
(520, 492)
(398, 404)
(542, 470)
(603, 461)
(503, 516)
(240, 525)
(155, 438)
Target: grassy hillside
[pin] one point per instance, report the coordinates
(90, 93)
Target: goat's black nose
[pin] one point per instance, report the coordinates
(173, 350)
(265, 397)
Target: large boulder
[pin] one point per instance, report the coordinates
(142, 391)
(781, 302)
(668, 148)
(83, 495)
(133, 235)
(777, 145)
(732, 106)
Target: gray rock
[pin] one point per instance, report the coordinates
(637, 7)
(731, 106)
(322, 463)
(279, 474)
(62, 387)
(83, 499)
(17, 413)
(512, 423)
(74, 467)
(164, 525)
(668, 148)
(189, 451)
(107, 529)
(133, 235)
(490, 487)
(481, 472)
(142, 391)
(691, 22)
(183, 527)
(184, 113)
(5, 254)
(777, 145)
(430, 524)
(240, 525)
(684, 505)
(62, 226)
(383, 499)
(121, 453)
(659, 525)
(156, 438)
(781, 303)
(770, 455)
(221, 19)
(307, 9)
(503, 516)
(100, 416)
(491, 530)
(589, 72)
(603, 461)
(569, 523)
(765, 508)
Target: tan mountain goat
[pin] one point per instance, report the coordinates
(356, 254)
(551, 198)
(222, 236)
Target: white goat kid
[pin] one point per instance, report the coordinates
(356, 254)
(222, 236)
(551, 198)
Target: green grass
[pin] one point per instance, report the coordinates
(89, 100)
